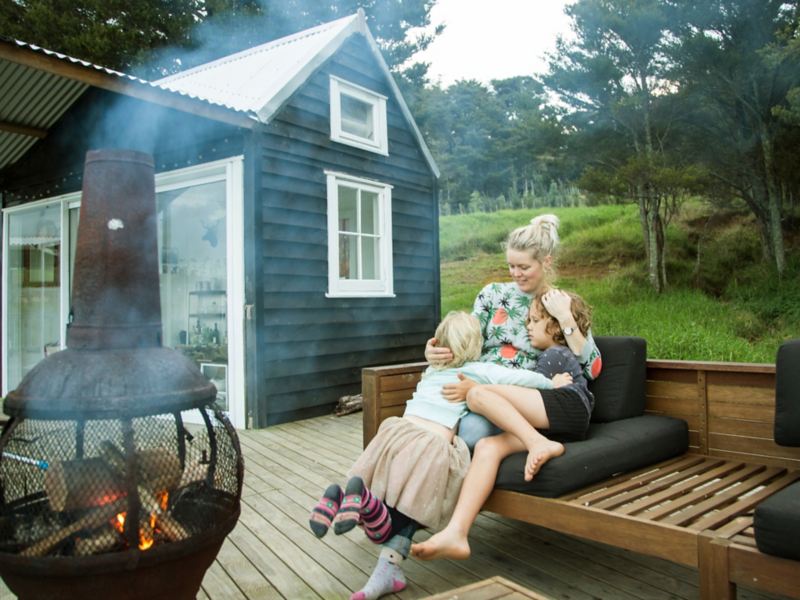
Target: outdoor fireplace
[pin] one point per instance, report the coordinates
(105, 491)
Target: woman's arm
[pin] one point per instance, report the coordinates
(558, 304)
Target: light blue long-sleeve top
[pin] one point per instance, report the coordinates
(428, 402)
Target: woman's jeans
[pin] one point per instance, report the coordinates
(474, 427)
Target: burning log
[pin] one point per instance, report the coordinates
(97, 517)
(102, 540)
(169, 526)
(85, 482)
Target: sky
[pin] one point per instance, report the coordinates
(493, 39)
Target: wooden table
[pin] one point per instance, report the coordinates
(493, 588)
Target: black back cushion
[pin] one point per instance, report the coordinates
(619, 391)
(787, 394)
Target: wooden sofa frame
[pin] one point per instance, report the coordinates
(696, 509)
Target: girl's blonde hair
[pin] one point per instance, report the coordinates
(461, 332)
(539, 239)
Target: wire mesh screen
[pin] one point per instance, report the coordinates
(78, 488)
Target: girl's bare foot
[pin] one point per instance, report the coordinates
(539, 454)
(445, 544)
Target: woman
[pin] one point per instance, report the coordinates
(502, 309)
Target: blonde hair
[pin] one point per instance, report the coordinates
(539, 239)
(461, 332)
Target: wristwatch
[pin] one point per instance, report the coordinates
(568, 330)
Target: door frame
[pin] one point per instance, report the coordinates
(229, 170)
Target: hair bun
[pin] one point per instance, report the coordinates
(546, 221)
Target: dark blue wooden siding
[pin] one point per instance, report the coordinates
(312, 348)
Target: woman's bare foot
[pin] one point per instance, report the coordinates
(539, 454)
(445, 544)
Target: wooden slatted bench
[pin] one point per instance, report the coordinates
(696, 509)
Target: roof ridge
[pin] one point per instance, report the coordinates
(265, 47)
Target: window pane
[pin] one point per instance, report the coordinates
(348, 207)
(370, 251)
(369, 212)
(348, 256)
(192, 246)
(357, 117)
(33, 288)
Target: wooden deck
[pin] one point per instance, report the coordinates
(273, 554)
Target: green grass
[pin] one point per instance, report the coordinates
(730, 309)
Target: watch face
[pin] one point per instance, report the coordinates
(569, 330)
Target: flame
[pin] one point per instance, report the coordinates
(119, 522)
(146, 537)
(164, 501)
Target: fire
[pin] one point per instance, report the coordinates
(147, 530)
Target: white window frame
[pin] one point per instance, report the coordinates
(380, 144)
(360, 288)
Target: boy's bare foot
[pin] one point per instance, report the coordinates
(539, 454)
(445, 544)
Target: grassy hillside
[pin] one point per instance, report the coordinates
(723, 306)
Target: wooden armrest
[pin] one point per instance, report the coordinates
(386, 391)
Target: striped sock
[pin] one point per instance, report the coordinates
(349, 514)
(323, 513)
(360, 506)
(375, 517)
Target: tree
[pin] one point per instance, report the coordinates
(114, 33)
(737, 62)
(153, 38)
(612, 75)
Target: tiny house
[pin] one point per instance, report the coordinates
(298, 222)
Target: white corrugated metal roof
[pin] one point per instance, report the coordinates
(254, 83)
(261, 79)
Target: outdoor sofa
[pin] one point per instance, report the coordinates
(679, 455)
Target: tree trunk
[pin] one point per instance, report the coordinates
(774, 228)
(654, 270)
(643, 220)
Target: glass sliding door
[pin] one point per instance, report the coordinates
(192, 236)
(32, 288)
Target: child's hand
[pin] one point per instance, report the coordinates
(457, 392)
(436, 355)
(561, 380)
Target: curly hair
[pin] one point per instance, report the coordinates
(581, 312)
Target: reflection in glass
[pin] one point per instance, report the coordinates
(33, 288)
(357, 117)
(369, 212)
(348, 209)
(348, 256)
(370, 264)
(192, 246)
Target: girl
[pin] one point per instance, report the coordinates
(410, 474)
(503, 309)
(522, 415)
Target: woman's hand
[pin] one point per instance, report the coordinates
(558, 304)
(561, 380)
(457, 392)
(435, 355)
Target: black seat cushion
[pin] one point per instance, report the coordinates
(610, 448)
(777, 523)
(619, 391)
(787, 394)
